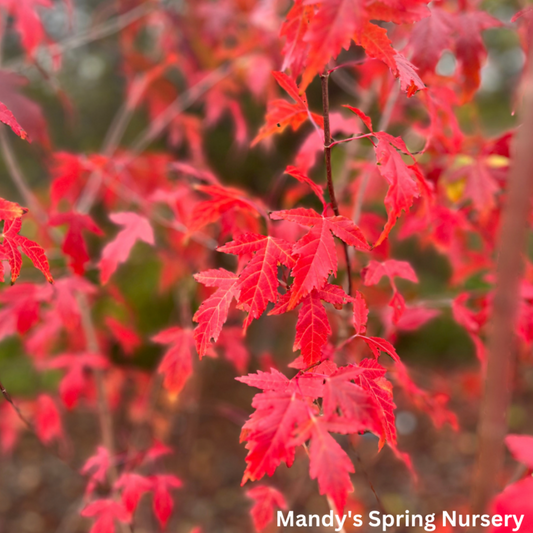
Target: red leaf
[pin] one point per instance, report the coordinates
(11, 210)
(28, 114)
(269, 431)
(430, 37)
(133, 486)
(410, 81)
(365, 118)
(360, 314)
(398, 11)
(316, 254)
(294, 29)
(106, 512)
(296, 173)
(74, 244)
(163, 502)
(372, 379)
(377, 45)
(117, 251)
(378, 345)
(281, 114)
(258, 281)
(7, 118)
(97, 467)
(10, 248)
(403, 188)
(312, 329)
(391, 268)
(521, 447)
(47, 419)
(176, 365)
(329, 464)
(234, 349)
(263, 380)
(223, 200)
(265, 499)
(213, 312)
(126, 336)
(75, 380)
(330, 30)
(470, 49)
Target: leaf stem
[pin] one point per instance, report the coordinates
(324, 78)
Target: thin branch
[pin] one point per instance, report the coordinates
(327, 155)
(363, 136)
(182, 102)
(501, 343)
(105, 29)
(16, 408)
(348, 64)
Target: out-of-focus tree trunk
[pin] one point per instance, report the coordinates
(502, 341)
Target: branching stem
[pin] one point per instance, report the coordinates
(327, 155)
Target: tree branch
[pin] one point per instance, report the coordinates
(501, 343)
(327, 155)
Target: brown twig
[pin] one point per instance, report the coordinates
(16, 408)
(327, 155)
(501, 343)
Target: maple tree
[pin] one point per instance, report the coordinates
(270, 192)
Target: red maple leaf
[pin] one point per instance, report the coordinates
(360, 314)
(10, 210)
(47, 419)
(265, 500)
(97, 467)
(258, 281)
(8, 118)
(10, 250)
(133, 486)
(106, 512)
(372, 379)
(163, 503)
(294, 29)
(136, 228)
(75, 379)
(213, 312)
(312, 327)
(269, 431)
(126, 336)
(74, 244)
(316, 254)
(224, 202)
(402, 179)
(176, 365)
(281, 113)
(392, 268)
